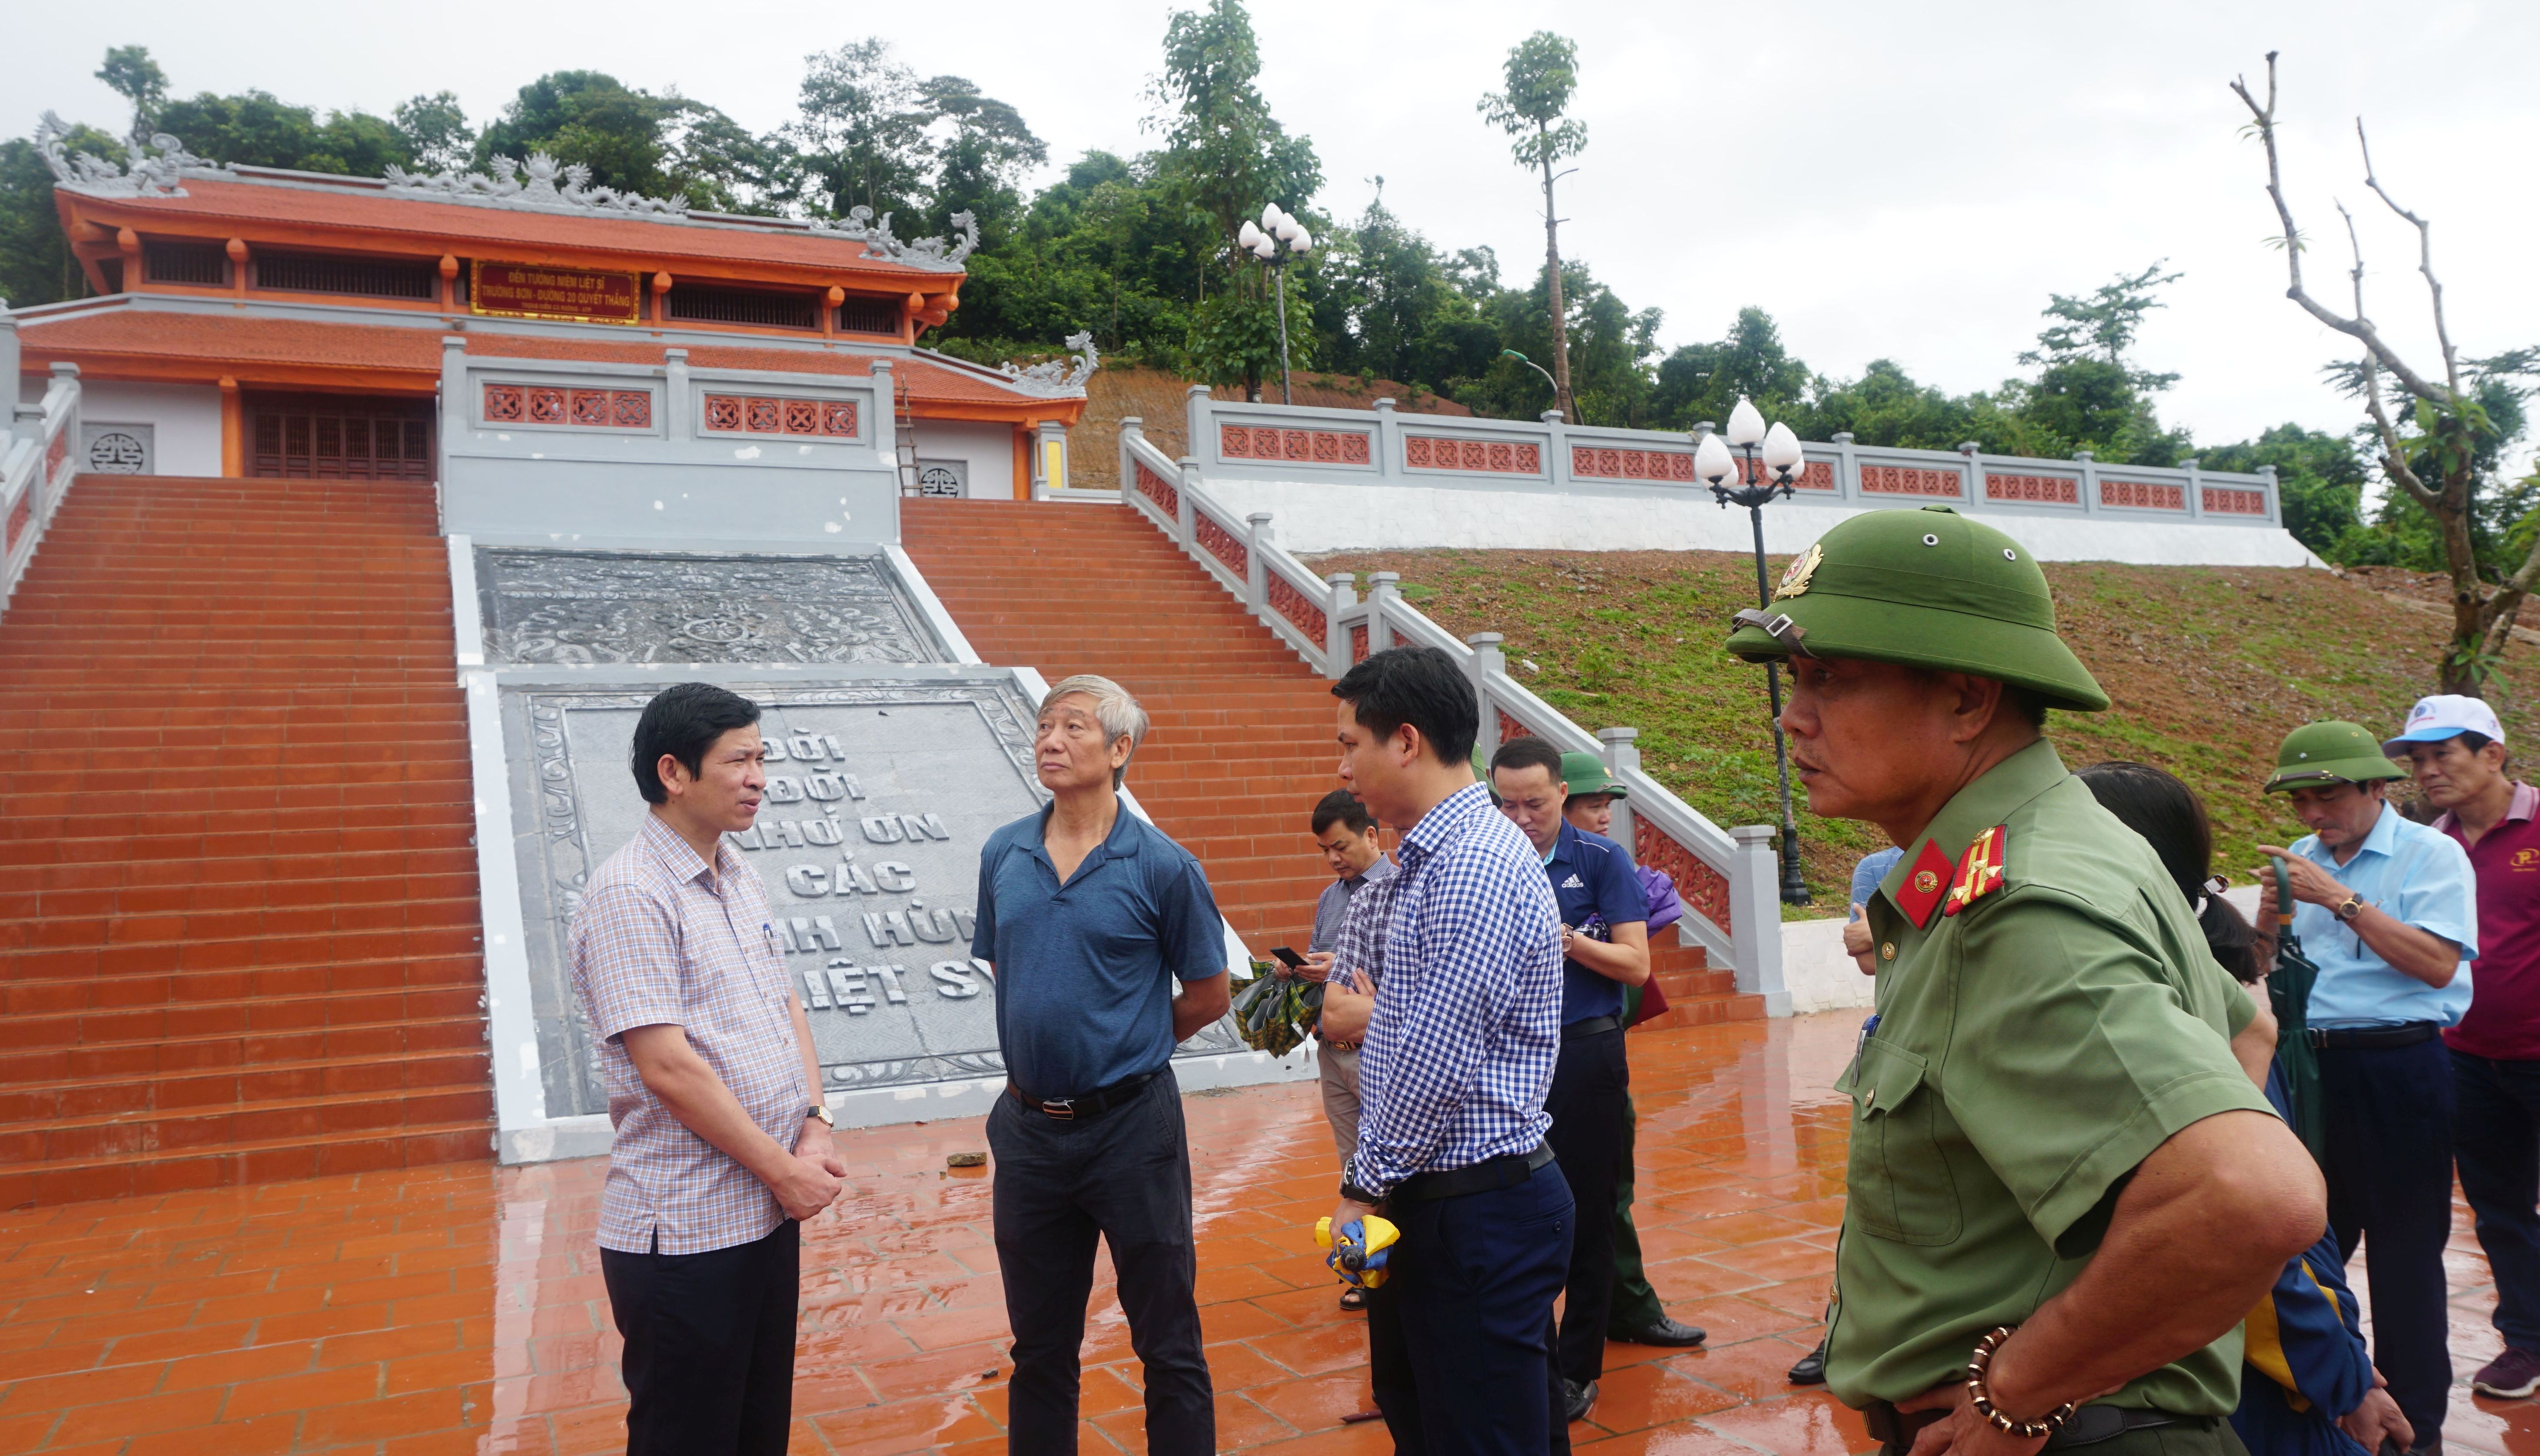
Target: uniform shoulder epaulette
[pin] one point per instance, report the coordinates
(1925, 884)
(1980, 871)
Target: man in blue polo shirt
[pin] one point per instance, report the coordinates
(1604, 947)
(1089, 915)
(2386, 909)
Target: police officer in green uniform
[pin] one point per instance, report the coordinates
(2064, 1193)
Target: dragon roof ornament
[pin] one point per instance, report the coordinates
(540, 182)
(159, 175)
(925, 252)
(1054, 378)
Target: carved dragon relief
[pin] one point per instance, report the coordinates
(1055, 377)
(531, 183)
(881, 243)
(160, 175)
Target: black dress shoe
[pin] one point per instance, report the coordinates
(1667, 1332)
(1811, 1370)
(1581, 1397)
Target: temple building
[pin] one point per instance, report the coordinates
(255, 321)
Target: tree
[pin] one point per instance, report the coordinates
(2440, 444)
(861, 132)
(131, 74)
(436, 131)
(982, 162)
(36, 262)
(2319, 484)
(254, 128)
(1701, 382)
(1542, 75)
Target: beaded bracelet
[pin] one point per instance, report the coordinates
(1978, 1397)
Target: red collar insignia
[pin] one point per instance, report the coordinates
(1980, 874)
(1920, 894)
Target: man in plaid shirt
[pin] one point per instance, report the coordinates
(1458, 1055)
(723, 1134)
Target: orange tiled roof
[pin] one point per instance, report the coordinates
(130, 342)
(467, 230)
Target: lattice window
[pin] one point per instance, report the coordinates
(600, 409)
(320, 272)
(833, 419)
(860, 314)
(1296, 607)
(939, 480)
(760, 308)
(1910, 480)
(1160, 490)
(546, 406)
(203, 265)
(1313, 447)
(1222, 544)
(1491, 456)
(2226, 499)
(2048, 490)
(1704, 889)
(1358, 642)
(2142, 495)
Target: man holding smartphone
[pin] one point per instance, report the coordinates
(1346, 833)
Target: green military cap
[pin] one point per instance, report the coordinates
(1585, 773)
(1928, 588)
(2330, 752)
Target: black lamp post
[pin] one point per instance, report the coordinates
(1764, 472)
(1265, 241)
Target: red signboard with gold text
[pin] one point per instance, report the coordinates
(529, 291)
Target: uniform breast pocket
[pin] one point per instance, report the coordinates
(1901, 1188)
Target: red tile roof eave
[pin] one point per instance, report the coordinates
(457, 227)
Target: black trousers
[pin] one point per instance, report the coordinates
(1460, 1336)
(709, 1359)
(2495, 1138)
(1124, 1175)
(1591, 1105)
(2390, 1117)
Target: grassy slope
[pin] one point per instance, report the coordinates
(2209, 669)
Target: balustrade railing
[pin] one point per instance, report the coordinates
(1232, 439)
(38, 463)
(1728, 878)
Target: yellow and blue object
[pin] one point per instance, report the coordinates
(2307, 1362)
(1359, 1250)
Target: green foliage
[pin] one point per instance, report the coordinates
(254, 128)
(655, 146)
(131, 74)
(1542, 74)
(35, 262)
(436, 131)
(861, 132)
(1225, 154)
(2320, 480)
(1234, 337)
(980, 165)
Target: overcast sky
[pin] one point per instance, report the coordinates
(1899, 180)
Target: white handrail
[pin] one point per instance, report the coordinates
(39, 460)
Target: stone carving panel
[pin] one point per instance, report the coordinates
(585, 607)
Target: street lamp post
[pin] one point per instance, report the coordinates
(1263, 241)
(1538, 369)
(1780, 455)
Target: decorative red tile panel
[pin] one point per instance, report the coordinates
(631, 409)
(736, 414)
(1221, 543)
(19, 515)
(606, 409)
(1489, 458)
(1703, 888)
(589, 406)
(2227, 500)
(2051, 490)
(503, 405)
(1315, 446)
(546, 406)
(1296, 607)
(1909, 480)
(1358, 644)
(1160, 490)
(2142, 495)
(55, 454)
(1601, 462)
(1510, 727)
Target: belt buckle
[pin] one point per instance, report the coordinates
(1060, 1109)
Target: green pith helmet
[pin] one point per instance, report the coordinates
(1928, 588)
(2330, 752)
(1585, 773)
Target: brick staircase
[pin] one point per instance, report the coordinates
(1241, 744)
(237, 914)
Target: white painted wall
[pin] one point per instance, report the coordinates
(1820, 977)
(1326, 515)
(185, 421)
(986, 446)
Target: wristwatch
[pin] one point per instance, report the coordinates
(2353, 907)
(820, 1110)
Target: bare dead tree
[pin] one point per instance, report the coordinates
(2445, 410)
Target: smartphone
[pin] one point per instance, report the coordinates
(1286, 957)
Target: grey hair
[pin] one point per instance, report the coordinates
(1113, 708)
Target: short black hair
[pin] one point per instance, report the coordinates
(1528, 753)
(2027, 702)
(1340, 806)
(1418, 685)
(2473, 741)
(2153, 802)
(683, 720)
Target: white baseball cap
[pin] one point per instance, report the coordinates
(2445, 715)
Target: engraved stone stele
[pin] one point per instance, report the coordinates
(582, 607)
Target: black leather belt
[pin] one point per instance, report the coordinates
(1084, 1104)
(2407, 1034)
(1591, 1027)
(2088, 1427)
(1487, 1176)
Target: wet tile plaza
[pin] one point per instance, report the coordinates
(459, 1309)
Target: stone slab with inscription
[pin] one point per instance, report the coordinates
(585, 608)
(879, 797)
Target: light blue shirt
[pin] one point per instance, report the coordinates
(2416, 876)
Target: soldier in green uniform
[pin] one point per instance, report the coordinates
(2064, 1191)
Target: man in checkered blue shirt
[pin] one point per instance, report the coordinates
(1458, 1055)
